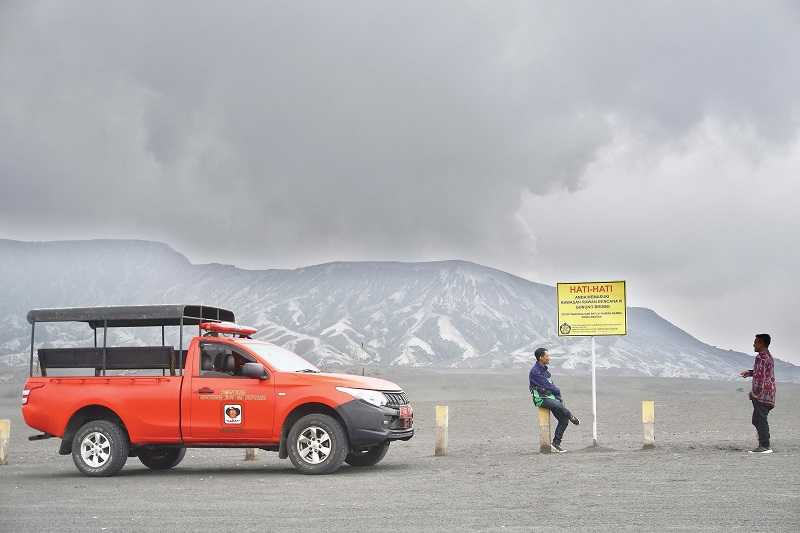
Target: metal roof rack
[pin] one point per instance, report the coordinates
(121, 316)
(126, 316)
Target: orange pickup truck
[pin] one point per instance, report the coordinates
(225, 390)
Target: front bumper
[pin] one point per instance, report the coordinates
(368, 425)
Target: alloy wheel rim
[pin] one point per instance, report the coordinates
(95, 449)
(314, 445)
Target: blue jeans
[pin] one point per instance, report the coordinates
(561, 413)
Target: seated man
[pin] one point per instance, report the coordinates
(547, 395)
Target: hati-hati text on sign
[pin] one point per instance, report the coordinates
(591, 308)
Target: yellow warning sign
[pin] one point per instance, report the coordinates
(591, 308)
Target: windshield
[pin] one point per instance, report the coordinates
(279, 358)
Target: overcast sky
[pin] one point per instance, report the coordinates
(559, 141)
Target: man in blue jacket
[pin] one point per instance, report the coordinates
(547, 395)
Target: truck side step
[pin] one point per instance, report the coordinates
(41, 436)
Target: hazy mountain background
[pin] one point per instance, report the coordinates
(441, 314)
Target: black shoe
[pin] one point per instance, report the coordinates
(761, 450)
(557, 448)
(574, 420)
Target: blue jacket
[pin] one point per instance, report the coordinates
(539, 378)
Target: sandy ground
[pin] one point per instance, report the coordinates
(699, 478)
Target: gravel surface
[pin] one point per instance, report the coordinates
(699, 478)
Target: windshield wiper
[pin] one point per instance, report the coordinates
(309, 370)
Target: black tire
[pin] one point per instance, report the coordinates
(161, 457)
(370, 457)
(331, 437)
(100, 448)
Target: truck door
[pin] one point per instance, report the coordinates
(225, 406)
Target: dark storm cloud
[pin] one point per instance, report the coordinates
(285, 133)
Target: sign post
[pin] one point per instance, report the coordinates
(594, 396)
(589, 309)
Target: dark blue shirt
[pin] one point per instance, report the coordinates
(539, 378)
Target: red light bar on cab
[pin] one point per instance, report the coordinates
(227, 327)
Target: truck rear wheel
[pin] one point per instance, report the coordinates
(317, 444)
(161, 457)
(369, 457)
(100, 448)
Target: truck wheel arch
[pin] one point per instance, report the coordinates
(297, 413)
(83, 415)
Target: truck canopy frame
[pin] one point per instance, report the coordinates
(127, 316)
(121, 317)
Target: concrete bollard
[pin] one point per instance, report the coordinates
(5, 434)
(441, 431)
(649, 421)
(249, 454)
(544, 430)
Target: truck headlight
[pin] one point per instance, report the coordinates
(373, 397)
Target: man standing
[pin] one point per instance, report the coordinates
(547, 395)
(763, 393)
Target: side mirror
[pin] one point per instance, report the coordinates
(254, 370)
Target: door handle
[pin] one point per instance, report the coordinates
(205, 390)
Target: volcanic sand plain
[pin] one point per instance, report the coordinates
(698, 478)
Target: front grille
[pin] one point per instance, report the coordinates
(396, 399)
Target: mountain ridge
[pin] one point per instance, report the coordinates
(447, 313)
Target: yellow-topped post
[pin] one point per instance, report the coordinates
(544, 430)
(649, 421)
(441, 430)
(5, 435)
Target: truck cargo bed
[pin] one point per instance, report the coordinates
(118, 358)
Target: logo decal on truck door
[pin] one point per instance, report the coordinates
(232, 413)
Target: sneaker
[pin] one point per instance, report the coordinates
(574, 420)
(761, 450)
(557, 448)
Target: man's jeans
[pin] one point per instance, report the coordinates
(562, 414)
(760, 412)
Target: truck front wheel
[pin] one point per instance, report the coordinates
(100, 448)
(161, 457)
(317, 444)
(369, 457)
